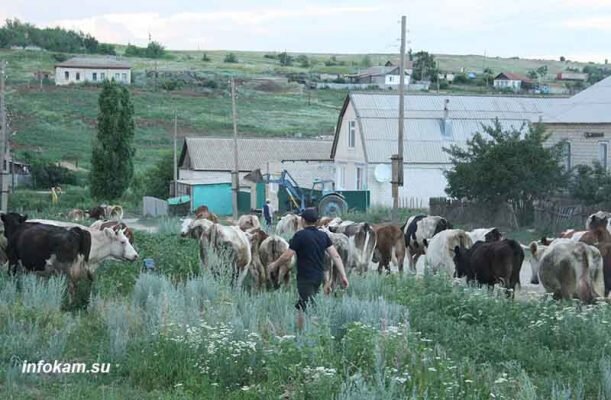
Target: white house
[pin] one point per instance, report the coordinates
(509, 80)
(367, 131)
(92, 69)
(384, 77)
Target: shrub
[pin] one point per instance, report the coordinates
(230, 58)
(205, 58)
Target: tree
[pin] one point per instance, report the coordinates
(506, 166)
(542, 71)
(366, 61)
(112, 166)
(230, 58)
(154, 50)
(285, 59)
(303, 60)
(562, 59)
(532, 74)
(158, 178)
(591, 185)
(424, 66)
(205, 57)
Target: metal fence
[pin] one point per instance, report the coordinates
(154, 207)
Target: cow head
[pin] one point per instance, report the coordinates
(462, 262)
(120, 247)
(597, 221)
(184, 226)
(494, 235)
(536, 251)
(11, 221)
(195, 227)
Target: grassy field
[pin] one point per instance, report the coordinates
(177, 333)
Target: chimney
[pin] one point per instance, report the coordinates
(445, 109)
(445, 123)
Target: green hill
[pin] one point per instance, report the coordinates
(59, 122)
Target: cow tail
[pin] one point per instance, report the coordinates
(85, 244)
(584, 282)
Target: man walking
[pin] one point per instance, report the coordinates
(310, 245)
(268, 213)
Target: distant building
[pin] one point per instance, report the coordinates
(510, 80)
(384, 77)
(572, 76)
(90, 69)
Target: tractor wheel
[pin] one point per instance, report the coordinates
(332, 205)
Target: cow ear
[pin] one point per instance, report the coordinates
(533, 248)
(109, 232)
(23, 218)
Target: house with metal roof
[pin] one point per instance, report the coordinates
(513, 81)
(383, 76)
(92, 69)
(210, 160)
(367, 131)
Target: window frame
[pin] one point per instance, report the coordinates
(77, 76)
(352, 134)
(359, 177)
(567, 156)
(67, 75)
(603, 162)
(94, 76)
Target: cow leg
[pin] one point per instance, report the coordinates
(414, 265)
(242, 276)
(410, 259)
(400, 255)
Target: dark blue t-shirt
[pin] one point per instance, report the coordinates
(310, 245)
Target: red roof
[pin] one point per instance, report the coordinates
(512, 77)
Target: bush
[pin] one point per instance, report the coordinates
(592, 185)
(230, 58)
(171, 84)
(461, 79)
(205, 57)
(303, 61)
(46, 174)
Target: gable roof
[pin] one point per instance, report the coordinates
(590, 106)
(512, 77)
(216, 154)
(94, 62)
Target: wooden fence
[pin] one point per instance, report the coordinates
(474, 215)
(557, 215)
(412, 203)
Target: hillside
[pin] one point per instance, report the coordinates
(59, 122)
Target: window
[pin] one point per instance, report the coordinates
(102, 76)
(94, 76)
(351, 134)
(67, 75)
(78, 76)
(341, 177)
(117, 76)
(359, 178)
(124, 76)
(603, 154)
(567, 156)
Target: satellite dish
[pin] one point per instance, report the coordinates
(382, 173)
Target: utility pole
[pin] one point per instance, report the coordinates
(3, 141)
(175, 153)
(235, 177)
(397, 159)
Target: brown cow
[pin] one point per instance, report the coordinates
(598, 235)
(202, 212)
(265, 250)
(390, 245)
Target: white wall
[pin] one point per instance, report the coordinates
(346, 157)
(420, 184)
(86, 75)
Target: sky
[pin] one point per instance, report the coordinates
(577, 29)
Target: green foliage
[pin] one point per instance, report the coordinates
(366, 61)
(303, 61)
(596, 73)
(506, 166)
(562, 59)
(157, 180)
(46, 174)
(16, 33)
(592, 185)
(205, 58)
(461, 79)
(425, 67)
(333, 61)
(152, 50)
(532, 74)
(285, 59)
(542, 71)
(111, 157)
(230, 58)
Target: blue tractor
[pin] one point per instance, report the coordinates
(330, 203)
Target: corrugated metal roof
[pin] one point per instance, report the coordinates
(93, 62)
(592, 105)
(206, 153)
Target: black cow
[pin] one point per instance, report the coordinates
(38, 246)
(98, 212)
(417, 230)
(490, 263)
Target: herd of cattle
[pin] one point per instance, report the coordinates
(575, 265)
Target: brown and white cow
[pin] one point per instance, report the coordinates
(202, 212)
(115, 226)
(439, 255)
(229, 241)
(345, 250)
(248, 222)
(571, 269)
(265, 250)
(76, 214)
(416, 230)
(288, 225)
(362, 239)
(390, 246)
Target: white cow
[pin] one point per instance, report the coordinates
(440, 250)
(247, 222)
(362, 238)
(570, 269)
(288, 225)
(220, 239)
